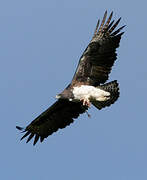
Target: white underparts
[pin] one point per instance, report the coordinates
(89, 93)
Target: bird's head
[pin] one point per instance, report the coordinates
(66, 94)
(58, 96)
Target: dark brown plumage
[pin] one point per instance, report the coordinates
(59, 115)
(93, 70)
(97, 60)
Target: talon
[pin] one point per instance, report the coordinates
(88, 114)
(86, 102)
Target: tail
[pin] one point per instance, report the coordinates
(113, 89)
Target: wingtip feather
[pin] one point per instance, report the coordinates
(26, 134)
(30, 137)
(19, 128)
(103, 21)
(117, 31)
(41, 139)
(36, 139)
(97, 25)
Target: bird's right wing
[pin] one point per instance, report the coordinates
(59, 115)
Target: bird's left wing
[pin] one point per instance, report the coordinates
(97, 60)
(59, 115)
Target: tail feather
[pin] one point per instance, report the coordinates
(113, 89)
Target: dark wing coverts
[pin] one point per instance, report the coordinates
(98, 58)
(93, 69)
(59, 115)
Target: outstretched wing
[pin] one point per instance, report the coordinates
(59, 115)
(97, 60)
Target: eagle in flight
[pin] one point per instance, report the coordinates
(87, 86)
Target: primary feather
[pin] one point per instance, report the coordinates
(93, 70)
(58, 116)
(97, 60)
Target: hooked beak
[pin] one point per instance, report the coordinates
(58, 96)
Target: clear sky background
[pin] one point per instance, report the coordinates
(40, 45)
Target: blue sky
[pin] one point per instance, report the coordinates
(40, 43)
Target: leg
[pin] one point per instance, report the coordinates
(86, 102)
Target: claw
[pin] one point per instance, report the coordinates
(86, 102)
(88, 114)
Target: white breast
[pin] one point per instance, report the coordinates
(89, 92)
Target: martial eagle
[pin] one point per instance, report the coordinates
(87, 86)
